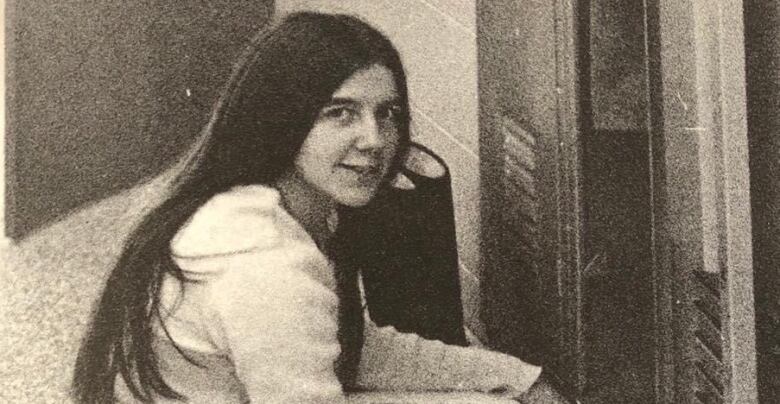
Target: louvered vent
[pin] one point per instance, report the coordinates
(707, 344)
(519, 193)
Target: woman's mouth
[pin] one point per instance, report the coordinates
(367, 174)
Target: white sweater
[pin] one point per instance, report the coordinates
(266, 302)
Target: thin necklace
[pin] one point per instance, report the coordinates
(333, 221)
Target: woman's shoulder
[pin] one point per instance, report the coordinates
(247, 227)
(242, 219)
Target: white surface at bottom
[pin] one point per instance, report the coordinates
(427, 398)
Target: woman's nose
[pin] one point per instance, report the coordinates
(370, 136)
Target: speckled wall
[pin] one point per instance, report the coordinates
(437, 42)
(102, 94)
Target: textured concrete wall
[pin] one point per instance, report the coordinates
(103, 94)
(437, 42)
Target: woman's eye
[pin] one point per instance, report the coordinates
(390, 113)
(342, 115)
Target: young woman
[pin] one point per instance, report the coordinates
(234, 288)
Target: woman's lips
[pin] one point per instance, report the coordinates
(366, 174)
(360, 168)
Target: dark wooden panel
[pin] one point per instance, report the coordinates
(617, 68)
(762, 53)
(618, 291)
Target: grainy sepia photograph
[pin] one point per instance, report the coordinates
(390, 201)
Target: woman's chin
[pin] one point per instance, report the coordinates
(356, 199)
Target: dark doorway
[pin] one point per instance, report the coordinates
(762, 59)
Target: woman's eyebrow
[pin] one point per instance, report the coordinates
(396, 101)
(341, 101)
(337, 101)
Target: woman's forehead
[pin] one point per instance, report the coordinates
(374, 84)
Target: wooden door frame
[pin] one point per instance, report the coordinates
(699, 153)
(571, 38)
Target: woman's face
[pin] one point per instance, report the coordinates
(354, 140)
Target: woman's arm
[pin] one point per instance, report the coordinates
(392, 360)
(265, 297)
(543, 392)
(280, 326)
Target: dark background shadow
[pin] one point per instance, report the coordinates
(102, 95)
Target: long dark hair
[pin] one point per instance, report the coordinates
(275, 92)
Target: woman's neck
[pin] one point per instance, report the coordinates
(310, 207)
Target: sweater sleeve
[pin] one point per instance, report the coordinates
(280, 327)
(392, 360)
(269, 298)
